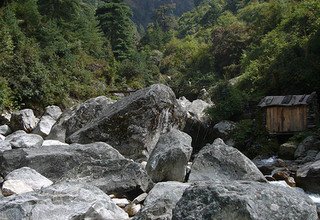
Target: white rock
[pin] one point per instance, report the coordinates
(11, 187)
(23, 120)
(44, 126)
(5, 130)
(53, 111)
(2, 137)
(30, 177)
(140, 198)
(121, 202)
(52, 142)
(27, 141)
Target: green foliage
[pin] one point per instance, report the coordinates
(252, 139)
(285, 61)
(114, 19)
(5, 95)
(230, 103)
(47, 49)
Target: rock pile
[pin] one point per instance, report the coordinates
(131, 158)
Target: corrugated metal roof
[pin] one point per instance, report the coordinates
(288, 100)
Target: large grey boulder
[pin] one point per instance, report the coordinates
(26, 141)
(61, 201)
(44, 126)
(23, 120)
(308, 177)
(97, 163)
(53, 111)
(121, 177)
(161, 200)
(30, 177)
(308, 149)
(78, 116)
(198, 124)
(133, 124)
(220, 162)
(243, 200)
(169, 159)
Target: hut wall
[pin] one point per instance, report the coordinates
(280, 119)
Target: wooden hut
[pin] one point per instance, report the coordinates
(289, 114)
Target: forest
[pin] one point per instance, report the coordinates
(63, 52)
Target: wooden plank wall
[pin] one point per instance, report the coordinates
(281, 119)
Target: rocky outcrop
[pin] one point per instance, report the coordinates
(308, 177)
(161, 200)
(97, 163)
(133, 124)
(220, 162)
(243, 200)
(61, 201)
(308, 149)
(169, 159)
(78, 116)
(23, 120)
(198, 124)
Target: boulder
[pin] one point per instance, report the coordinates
(30, 177)
(5, 130)
(286, 150)
(5, 145)
(224, 128)
(219, 161)
(2, 137)
(23, 120)
(307, 150)
(121, 177)
(26, 141)
(133, 124)
(5, 118)
(169, 159)
(98, 164)
(53, 111)
(44, 126)
(161, 200)
(245, 200)
(61, 201)
(11, 187)
(78, 116)
(14, 135)
(198, 124)
(308, 177)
